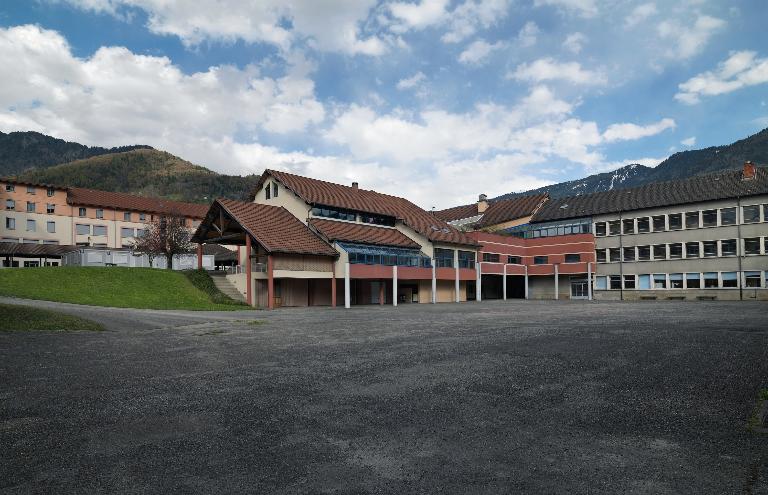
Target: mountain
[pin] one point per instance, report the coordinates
(678, 166)
(20, 151)
(146, 172)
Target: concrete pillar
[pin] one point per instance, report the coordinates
(589, 281)
(347, 298)
(394, 285)
(434, 282)
(248, 282)
(199, 256)
(504, 284)
(557, 283)
(526, 281)
(456, 268)
(479, 272)
(333, 287)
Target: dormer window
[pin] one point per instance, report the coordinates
(274, 189)
(268, 192)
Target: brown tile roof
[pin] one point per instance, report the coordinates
(364, 234)
(510, 209)
(457, 212)
(26, 250)
(709, 187)
(275, 228)
(9, 180)
(121, 201)
(318, 192)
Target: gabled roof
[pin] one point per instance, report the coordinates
(318, 192)
(457, 212)
(511, 209)
(274, 227)
(121, 201)
(709, 187)
(363, 234)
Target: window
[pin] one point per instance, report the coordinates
(693, 280)
(730, 279)
(600, 255)
(751, 279)
(31, 207)
(10, 204)
(659, 281)
(31, 226)
(710, 280)
(443, 258)
(660, 252)
(31, 264)
(82, 229)
(675, 221)
(710, 249)
(614, 227)
(643, 253)
(614, 255)
(540, 260)
(142, 217)
(126, 232)
(629, 226)
(514, 260)
(751, 214)
(466, 259)
(728, 247)
(644, 282)
(274, 189)
(600, 283)
(10, 223)
(51, 191)
(615, 282)
(99, 230)
(140, 232)
(728, 216)
(127, 216)
(629, 254)
(267, 192)
(10, 188)
(629, 281)
(675, 251)
(709, 218)
(377, 219)
(643, 225)
(599, 229)
(338, 213)
(572, 258)
(81, 212)
(30, 189)
(491, 257)
(99, 213)
(659, 223)
(692, 220)
(691, 249)
(51, 227)
(50, 208)
(752, 245)
(675, 280)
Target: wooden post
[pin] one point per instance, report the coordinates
(382, 283)
(199, 256)
(248, 288)
(270, 282)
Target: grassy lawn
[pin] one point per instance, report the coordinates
(144, 288)
(14, 318)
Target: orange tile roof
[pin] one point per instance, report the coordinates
(275, 228)
(121, 201)
(457, 212)
(510, 209)
(364, 234)
(318, 192)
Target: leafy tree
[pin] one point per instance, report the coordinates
(166, 235)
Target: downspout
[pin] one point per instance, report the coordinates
(739, 250)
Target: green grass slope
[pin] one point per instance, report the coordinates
(17, 318)
(143, 288)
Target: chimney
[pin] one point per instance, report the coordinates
(354, 186)
(749, 171)
(482, 203)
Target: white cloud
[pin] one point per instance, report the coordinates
(418, 15)
(688, 142)
(625, 132)
(528, 34)
(411, 82)
(584, 8)
(739, 70)
(640, 13)
(548, 69)
(471, 15)
(688, 41)
(574, 42)
(478, 52)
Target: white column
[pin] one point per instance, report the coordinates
(557, 283)
(589, 280)
(434, 283)
(394, 285)
(456, 267)
(526, 281)
(504, 284)
(347, 298)
(479, 270)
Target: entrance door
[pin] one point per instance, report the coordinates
(579, 288)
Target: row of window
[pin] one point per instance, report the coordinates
(537, 260)
(351, 216)
(10, 205)
(681, 250)
(444, 258)
(678, 221)
(703, 280)
(270, 192)
(30, 189)
(527, 231)
(29, 241)
(388, 256)
(10, 224)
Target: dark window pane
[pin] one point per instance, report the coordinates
(614, 227)
(728, 247)
(614, 254)
(676, 251)
(600, 255)
(710, 280)
(693, 280)
(572, 258)
(615, 282)
(600, 229)
(629, 281)
(643, 225)
(752, 245)
(728, 216)
(752, 279)
(676, 221)
(751, 214)
(709, 218)
(692, 220)
(660, 252)
(710, 249)
(658, 223)
(643, 253)
(629, 254)
(691, 249)
(540, 260)
(629, 226)
(730, 279)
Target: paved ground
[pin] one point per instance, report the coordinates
(492, 397)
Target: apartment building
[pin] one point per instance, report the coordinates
(69, 216)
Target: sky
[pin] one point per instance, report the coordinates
(434, 100)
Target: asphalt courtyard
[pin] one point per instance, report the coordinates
(477, 398)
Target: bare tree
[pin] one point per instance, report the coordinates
(166, 235)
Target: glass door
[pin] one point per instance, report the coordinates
(579, 289)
